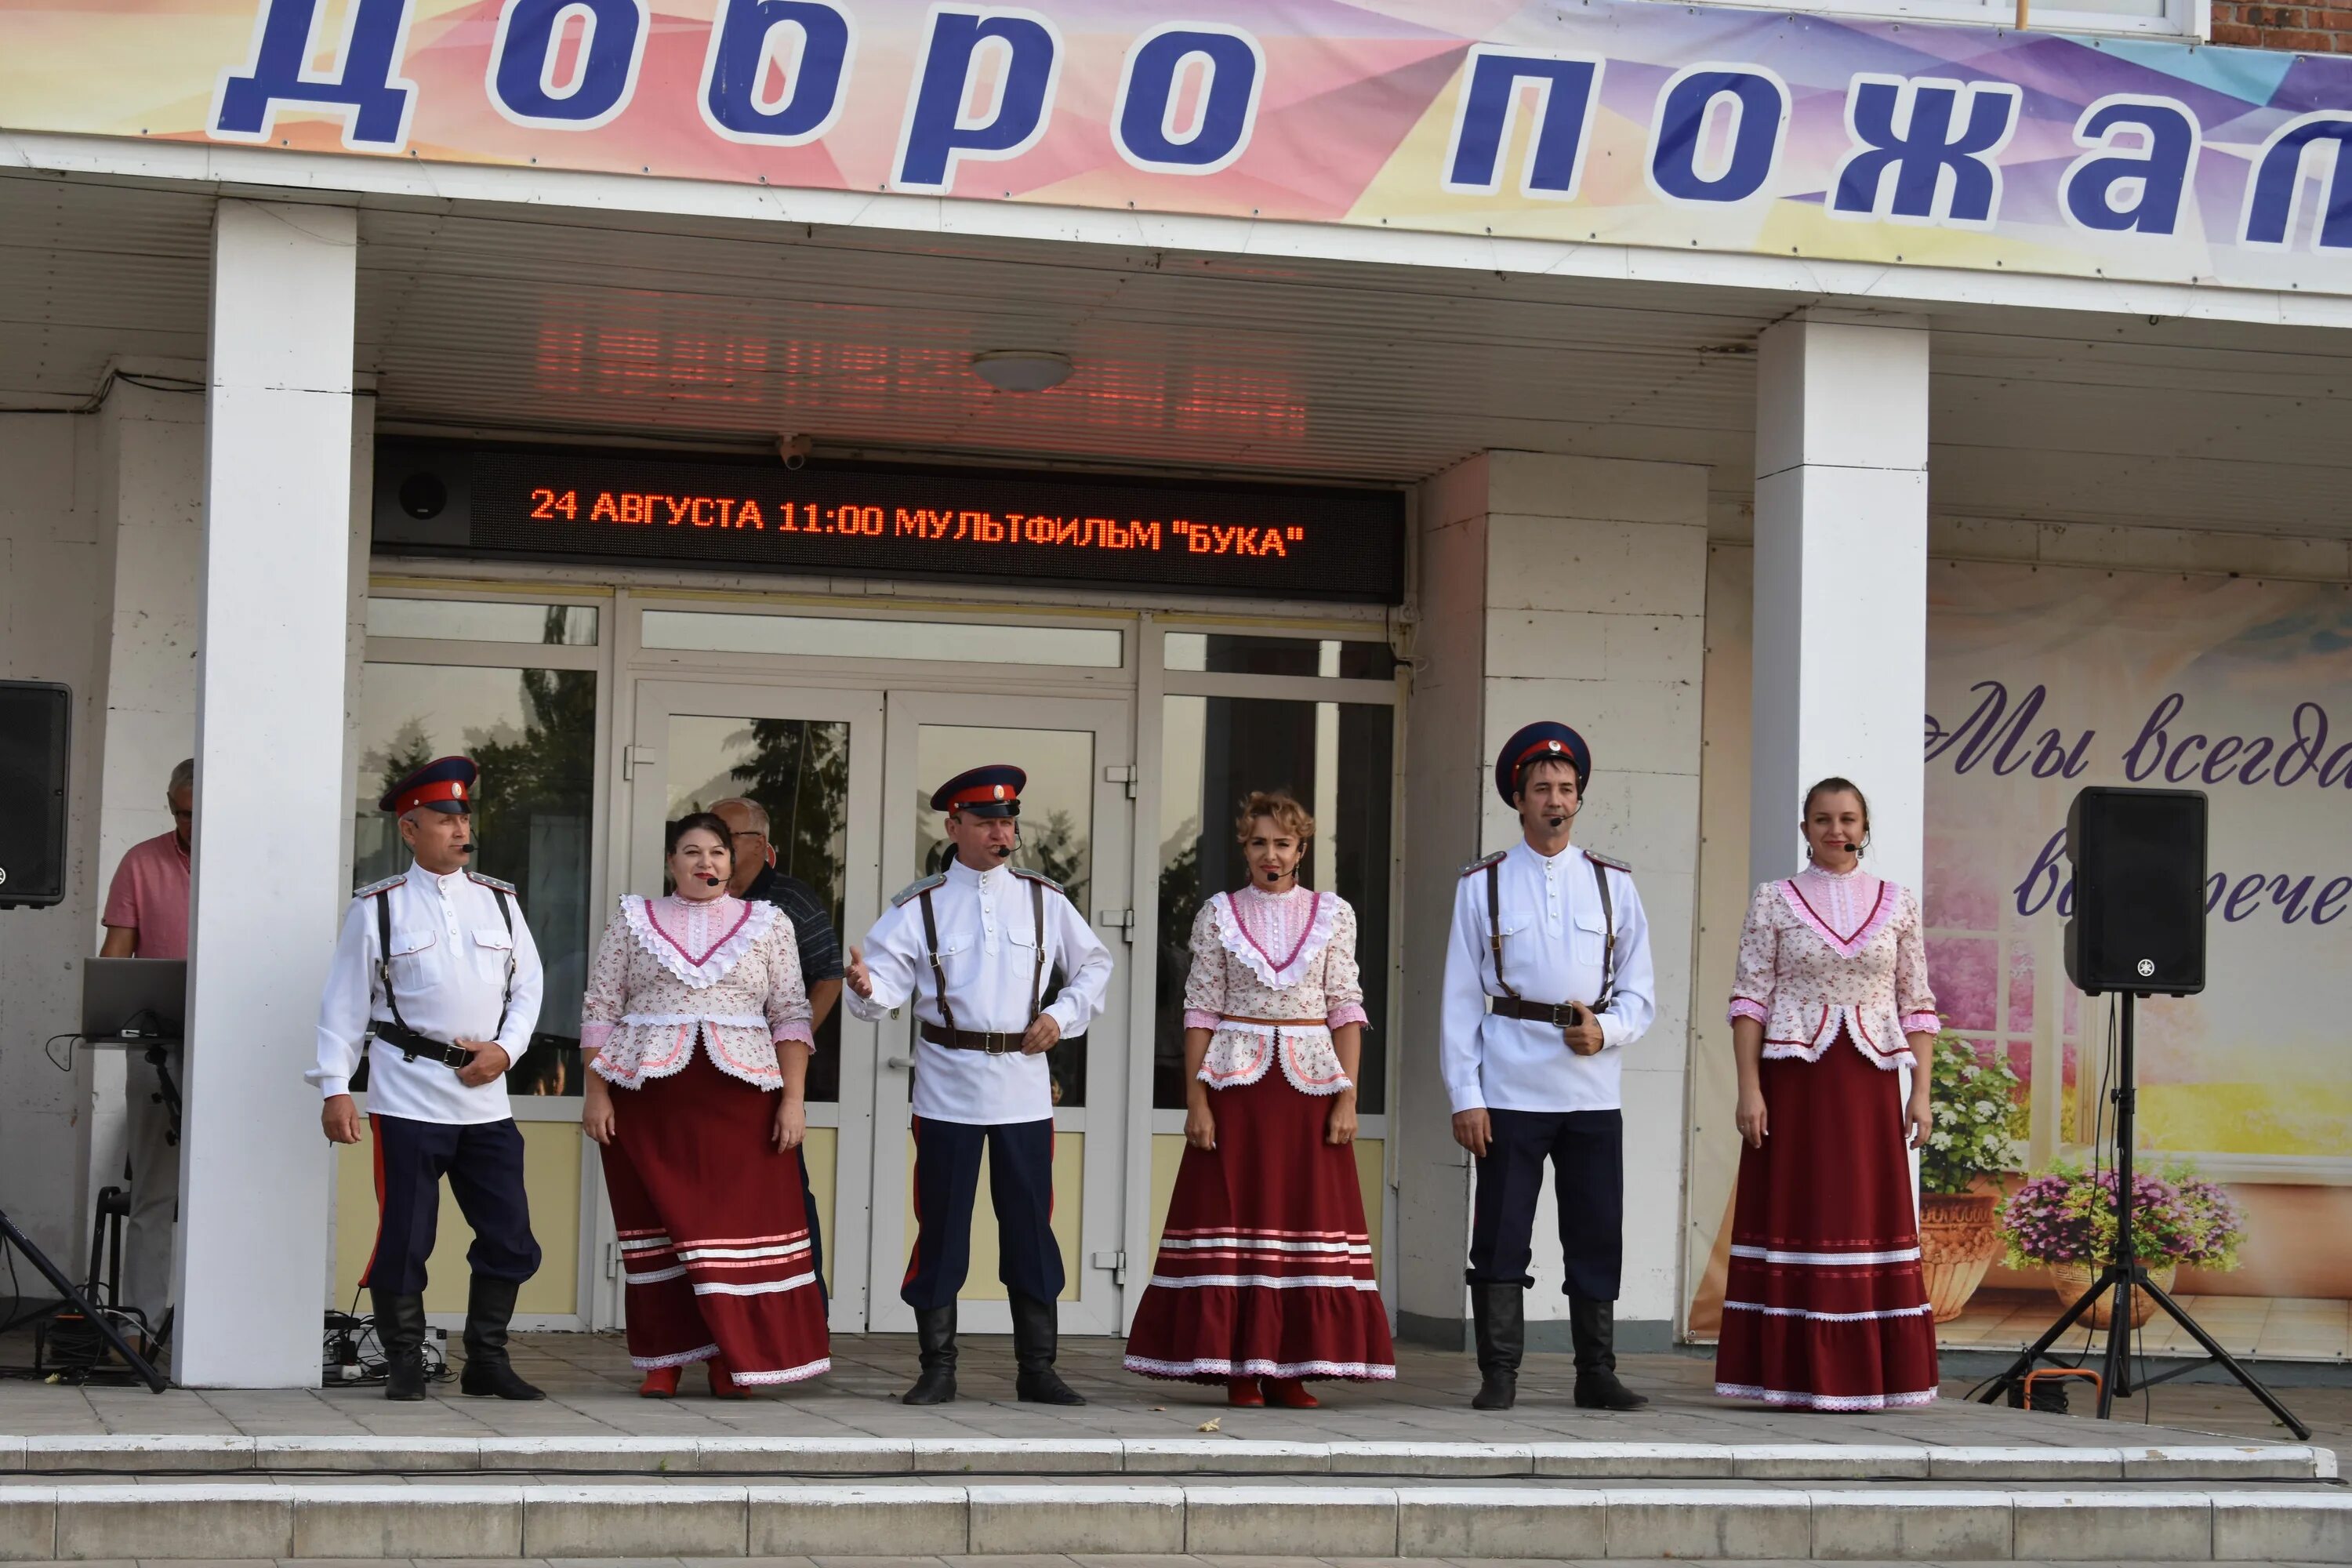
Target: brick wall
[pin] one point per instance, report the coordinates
(2307, 29)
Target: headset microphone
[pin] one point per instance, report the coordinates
(708, 880)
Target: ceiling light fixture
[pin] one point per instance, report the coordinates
(1021, 370)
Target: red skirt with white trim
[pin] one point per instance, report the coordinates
(714, 1245)
(1265, 1266)
(1824, 1306)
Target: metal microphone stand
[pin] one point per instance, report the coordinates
(2124, 1274)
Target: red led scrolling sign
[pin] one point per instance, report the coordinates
(652, 508)
(560, 504)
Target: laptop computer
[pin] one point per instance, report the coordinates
(133, 1001)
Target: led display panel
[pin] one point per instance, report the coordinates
(735, 514)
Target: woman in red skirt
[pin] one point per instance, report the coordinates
(697, 1034)
(1824, 1306)
(1265, 1275)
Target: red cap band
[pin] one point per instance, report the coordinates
(425, 794)
(980, 794)
(1542, 749)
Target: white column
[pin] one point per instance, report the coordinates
(1569, 588)
(269, 791)
(1840, 641)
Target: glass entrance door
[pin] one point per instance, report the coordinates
(1075, 825)
(813, 760)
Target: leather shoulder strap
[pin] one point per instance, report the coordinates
(505, 912)
(1037, 925)
(383, 955)
(1494, 922)
(938, 971)
(1609, 946)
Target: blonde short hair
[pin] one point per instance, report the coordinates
(1279, 805)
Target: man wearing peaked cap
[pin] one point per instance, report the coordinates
(972, 947)
(436, 983)
(1547, 982)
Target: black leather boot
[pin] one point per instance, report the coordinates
(1033, 1336)
(400, 1330)
(935, 1334)
(490, 1308)
(1592, 1328)
(1499, 1318)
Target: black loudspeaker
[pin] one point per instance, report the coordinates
(2139, 923)
(35, 733)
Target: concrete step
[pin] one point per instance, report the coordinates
(262, 1516)
(154, 1455)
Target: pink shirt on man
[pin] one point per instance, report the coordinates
(151, 894)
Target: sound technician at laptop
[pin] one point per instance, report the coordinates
(147, 916)
(436, 979)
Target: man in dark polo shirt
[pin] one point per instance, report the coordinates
(756, 877)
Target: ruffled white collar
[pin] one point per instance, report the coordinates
(1844, 908)
(1279, 971)
(729, 925)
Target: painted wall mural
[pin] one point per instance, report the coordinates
(2042, 681)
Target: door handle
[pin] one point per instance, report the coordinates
(898, 1064)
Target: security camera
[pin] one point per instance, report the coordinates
(794, 449)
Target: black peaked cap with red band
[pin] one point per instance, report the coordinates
(990, 791)
(1545, 739)
(445, 783)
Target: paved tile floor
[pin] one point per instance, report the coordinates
(593, 1393)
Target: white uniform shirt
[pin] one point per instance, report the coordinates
(988, 946)
(449, 953)
(1554, 936)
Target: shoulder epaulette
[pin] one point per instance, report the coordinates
(373, 888)
(917, 888)
(1482, 863)
(1028, 876)
(490, 882)
(1610, 861)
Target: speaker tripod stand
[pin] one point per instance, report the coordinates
(2126, 1274)
(102, 1321)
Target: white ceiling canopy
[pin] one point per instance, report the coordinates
(573, 325)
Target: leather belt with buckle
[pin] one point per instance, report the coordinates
(1559, 1014)
(412, 1046)
(990, 1042)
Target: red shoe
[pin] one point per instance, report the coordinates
(722, 1382)
(1291, 1394)
(661, 1383)
(1243, 1392)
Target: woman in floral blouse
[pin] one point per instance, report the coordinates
(1265, 1275)
(1824, 1306)
(696, 1036)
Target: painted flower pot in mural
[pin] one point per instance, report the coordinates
(1957, 1245)
(2071, 1280)
(2065, 1219)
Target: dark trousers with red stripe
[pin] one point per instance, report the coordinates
(483, 1163)
(1020, 1188)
